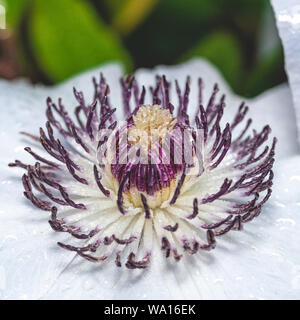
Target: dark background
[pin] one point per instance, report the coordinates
(50, 40)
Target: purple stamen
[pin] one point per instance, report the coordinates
(178, 188)
(147, 210)
(195, 210)
(120, 193)
(98, 181)
(132, 264)
(172, 228)
(70, 202)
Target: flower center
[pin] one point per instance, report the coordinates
(150, 125)
(150, 168)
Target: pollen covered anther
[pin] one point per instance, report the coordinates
(119, 186)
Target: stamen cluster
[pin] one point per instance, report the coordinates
(159, 175)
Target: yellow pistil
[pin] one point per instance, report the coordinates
(151, 124)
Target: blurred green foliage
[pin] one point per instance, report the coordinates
(15, 9)
(221, 49)
(56, 39)
(130, 13)
(71, 40)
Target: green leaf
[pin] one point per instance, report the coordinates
(173, 27)
(68, 37)
(191, 11)
(131, 13)
(113, 5)
(267, 73)
(14, 11)
(222, 50)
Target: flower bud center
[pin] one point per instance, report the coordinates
(152, 135)
(150, 125)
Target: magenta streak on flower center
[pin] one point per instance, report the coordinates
(161, 174)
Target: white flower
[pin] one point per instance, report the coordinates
(288, 21)
(235, 268)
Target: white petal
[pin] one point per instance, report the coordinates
(275, 108)
(288, 22)
(235, 269)
(30, 260)
(261, 262)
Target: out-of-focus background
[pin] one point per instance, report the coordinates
(50, 40)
